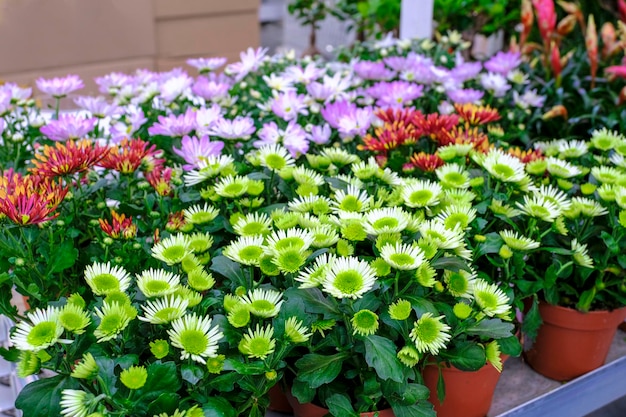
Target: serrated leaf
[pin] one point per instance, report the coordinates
(62, 256)
(380, 354)
(492, 328)
(339, 405)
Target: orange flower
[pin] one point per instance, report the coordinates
(556, 111)
(388, 137)
(121, 227)
(528, 19)
(474, 115)
(609, 40)
(67, 158)
(591, 42)
(433, 125)
(161, 180)
(29, 199)
(526, 156)
(555, 61)
(460, 135)
(129, 155)
(405, 115)
(426, 162)
(175, 222)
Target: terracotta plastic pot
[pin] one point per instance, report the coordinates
(570, 343)
(278, 401)
(468, 394)
(312, 410)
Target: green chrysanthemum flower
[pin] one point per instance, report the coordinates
(160, 348)
(605, 139)
(429, 334)
(117, 297)
(421, 193)
(275, 157)
(504, 167)
(232, 186)
(457, 216)
(295, 331)
(43, 330)
(386, 220)
(381, 267)
(409, 356)
(289, 260)
(402, 256)
(200, 242)
(453, 176)
(253, 224)
(353, 230)
(74, 319)
(87, 368)
(195, 337)
(322, 326)
(263, 303)
(104, 278)
(460, 283)
(247, 250)
(462, 310)
(425, 275)
(491, 299)
(518, 242)
(171, 250)
(190, 262)
(344, 248)
(76, 403)
(349, 278)
(157, 282)
(385, 239)
(364, 322)
(400, 310)
(215, 365)
(239, 315)
(29, 364)
(580, 255)
(258, 343)
(77, 300)
(200, 280)
(164, 310)
(492, 351)
(314, 275)
(113, 319)
(324, 236)
(134, 377)
(353, 200)
(200, 214)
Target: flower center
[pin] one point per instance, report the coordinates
(421, 197)
(234, 189)
(167, 314)
(401, 259)
(254, 228)
(174, 253)
(349, 281)
(251, 253)
(351, 203)
(43, 333)
(503, 171)
(106, 282)
(193, 341)
(71, 320)
(201, 217)
(427, 330)
(385, 222)
(275, 161)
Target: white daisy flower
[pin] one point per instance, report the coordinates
(351, 200)
(41, 330)
(540, 207)
(389, 177)
(562, 169)
(164, 310)
(172, 249)
(453, 176)
(291, 238)
(313, 276)
(200, 214)
(580, 255)
(275, 157)
(435, 231)
(421, 193)
(157, 282)
(209, 167)
(402, 256)
(253, 224)
(349, 278)
(263, 303)
(247, 250)
(339, 156)
(504, 167)
(195, 337)
(572, 148)
(491, 299)
(457, 216)
(618, 160)
(310, 203)
(303, 175)
(555, 196)
(386, 220)
(518, 242)
(232, 186)
(104, 278)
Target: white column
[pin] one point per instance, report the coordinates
(416, 19)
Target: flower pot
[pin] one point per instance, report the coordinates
(278, 400)
(468, 394)
(312, 410)
(570, 343)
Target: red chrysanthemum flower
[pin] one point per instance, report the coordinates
(175, 222)
(161, 180)
(66, 158)
(129, 155)
(474, 115)
(426, 162)
(29, 199)
(388, 137)
(460, 135)
(526, 156)
(404, 115)
(435, 124)
(121, 227)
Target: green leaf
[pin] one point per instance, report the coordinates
(467, 356)
(165, 403)
(610, 242)
(227, 268)
(421, 409)
(339, 405)
(532, 321)
(302, 392)
(318, 370)
(510, 346)
(254, 368)
(41, 398)
(422, 305)
(380, 354)
(191, 373)
(586, 298)
(451, 263)
(218, 407)
(162, 378)
(315, 301)
(63, 256)
(491, 328)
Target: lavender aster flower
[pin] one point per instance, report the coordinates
(349, 127)
(113, 82)
(60, 87)
(204, 65)
(466, 71)
(293, 137)
(2, 126)
(269, 134)
(331, 88)
(495, 83)
(530, 98)
(503, 62)
(304, 75)
(16, 92)
(97, 106)
(464, 96)
(250, 61)
(419, 72)
(134, 120)
(5, 102)
(369, 70)
(194, 150)
(206, 118)
(320, 134)
(210, 90)
(173, 125)
(68, 126)
(288, 105)
(175, 84)
(394, 94)
(239, 128)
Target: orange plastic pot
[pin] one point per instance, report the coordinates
(312, 410)
(278, 400)
(468, 394)
(570, 343)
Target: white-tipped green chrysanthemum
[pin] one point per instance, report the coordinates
(303, 175)
(364, 322)
(209, 167)
(572, 148)
(421, 193)
(540, 207)
(253, 224)
(605, 139)
(164, 310)
(113, 319)
(492, 351)
(425, 275)
(549, 148)
(275, 157)
(562, 169)
(193, 297)
(365, 170)
(349, 278)
(289, 260)
(587, 207)
(76, 403)
(402, 256)
(43, 330)
(351, 200)
(309, 220)
(296, 331)
(430, 334)
(247, 250)
(159, 348)
(157, 282)
(87, 368)
(200, 242)
(400, 310)
(263, 303)
(200, 213)
(619, 196)
(172, 249)
(239, 315)
(504, 167)
(490, 298)
(460, 283)
(580, 255)
(74, 319)
(518, 242)
(386, 220)
(195, 337)
(435, 232)
(200, 280)
(311, 203)
(457, 216)
(134, 377)
(453, 176)
(348, 180)
(104, 278)
(389, 177)
(409, 356)
(454, 150)
(294, 238)
(258, 343)
(607, 192)
(607, 174)
(499, 208)
(313, 276)
(618, 159)
(556, 196)
(339, 156)
(232, 186)
(324, 236)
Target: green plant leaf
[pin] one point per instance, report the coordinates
(339, 405)
(162, 378)
(41, 398)
(166, 402)
(191, 373)
(532, 321)
(610, 242)
(254, 368)
(227, 268)
(451, 263)
(218, 407)
(492, 328)
(302, 391)
(421, 409)
(63, 256)
(510, 346)
(586, 298)
(380, 354)
(467, 356)
(318, 370)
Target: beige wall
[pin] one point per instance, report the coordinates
(45, 38)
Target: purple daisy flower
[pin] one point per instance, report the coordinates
(97, 106)
(175, 84)
(68, 126)
(503, 62)
(464, 96)
(239, 128)
(394, 94)
(495, 83)
(134, 119)
(293, 137)
(419, 72)
(2, 126)
(528, 99)
(173, 125)
(289, 105)
(113, 82)
(16, 92)
(331, 88)
(194, 150)
(369, 70)
(320, 134)
(60, 87)
(304, 75)
(251, 59)
(333, 112)
(465, 71)
(207, 64)
(357, 124)
(269, 134)
(5, 102)
(210, 90)
(206, 118)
